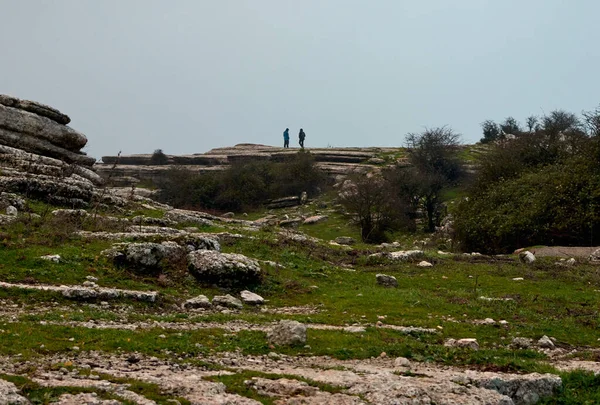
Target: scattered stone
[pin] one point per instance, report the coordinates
(401, 255)
(250, 298)
(316, 219)
(287, 333)
(527, 257)
(228, 215)
(227, 301)
(290, 223)
(386, 281)
(344, 240)
(12, 211)
(91, 278)
(488, 321)
(523, 390)
(518, 279)
(52, 258)
(521, 343)
(503, 322)
(468, 343)
(545, 343)
(201, 301)
(355, 329)
(145, 255)
(401, 362)
(224, 269)
(424, 264)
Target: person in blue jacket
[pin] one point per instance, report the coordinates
(286, 138)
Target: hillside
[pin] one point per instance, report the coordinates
(109, 297)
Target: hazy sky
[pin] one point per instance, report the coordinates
(190, 75)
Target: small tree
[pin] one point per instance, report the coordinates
(376, 206)
(532, 123)
(591, 121)
(510, 126)
(491, 131)
(159, 158)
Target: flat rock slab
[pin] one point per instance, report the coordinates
(36, 108)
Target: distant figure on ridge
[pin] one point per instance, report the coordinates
(286, 138)
(301, 137)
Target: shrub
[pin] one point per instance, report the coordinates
(159, 158)
(556, 204)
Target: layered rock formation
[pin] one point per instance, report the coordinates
(41, 157)
(129, 169)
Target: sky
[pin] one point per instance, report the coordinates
(186, 76)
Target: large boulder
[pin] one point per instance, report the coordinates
(227, 301)
(40, 109)
(386, 281)
(224, 269)
(146, 255)
(24, 122)
(287, 333)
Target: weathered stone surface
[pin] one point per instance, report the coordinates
(401, 255)
(284, 202)
(290, 223)
(224, 269)
(545, 342)
(83, 293)
(467, 343)
(184, 216)
(424, 264)
(36, 164)
(227, 301)
(344, 240)
(26, 123)
(84, 398)
(40, 109)
(527, 257)
(200, 301)
(386, 281)
(287, 333)
(250, 298)
(146, 255)
(9, 394)
(315, 219)
(11, 211)
(521, 343)
(524, 390)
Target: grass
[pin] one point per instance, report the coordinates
(340, 283)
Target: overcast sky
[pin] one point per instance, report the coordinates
(189, 75)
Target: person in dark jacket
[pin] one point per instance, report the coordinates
(286, 138)
(301, 137)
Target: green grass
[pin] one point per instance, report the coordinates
(578, 388)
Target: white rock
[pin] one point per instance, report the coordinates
(546, 343)
(201, 301)
(287, 333)
(12, 211)
(401, 362)
(489, 321)
(387, 281)
(355, 329)
(227, 301)
(518, 279)
(527, 257)
(52, 258)
(424, 264)
(251, 298)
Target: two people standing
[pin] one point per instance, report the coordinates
(286, 138)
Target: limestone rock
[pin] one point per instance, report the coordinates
(527, 257)
(468, 343)
(224, 269)
(290, 223)
(9, 394)
(424, 264)
(521, 343)
(386, 281)
(315, 219)
(284, 202)
(287, 333)
(344, 240)
(145, 255)
(545, 343)
(355, 329)
(12, 211)
(401, 255)
(51, 258)
(401, 362)
(227, 301)
(40, 109)
(200, 301)
(251, 298)
(42, 128)
(524, 390)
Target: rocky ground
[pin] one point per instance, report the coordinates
(108, 297)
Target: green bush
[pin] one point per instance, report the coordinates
(555, 205)
(242, 186)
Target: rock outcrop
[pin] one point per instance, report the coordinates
(40, 156)
(224, 269)
(337, 162)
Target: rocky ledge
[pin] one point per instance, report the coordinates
(129, 169)
(41, 156)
